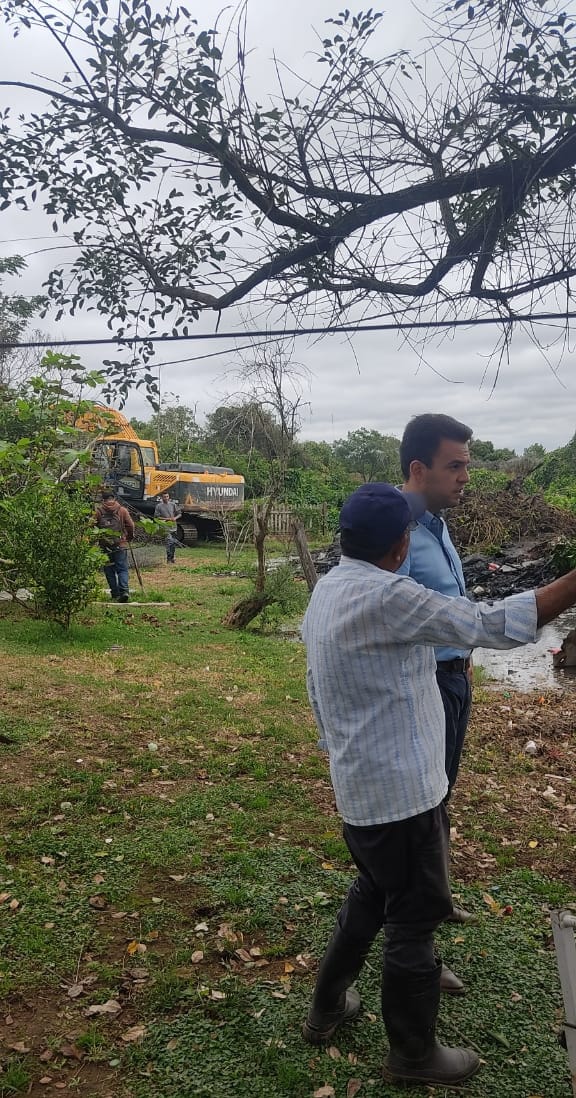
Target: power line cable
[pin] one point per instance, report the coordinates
(290, 333)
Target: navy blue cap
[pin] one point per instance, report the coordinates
(376, 515)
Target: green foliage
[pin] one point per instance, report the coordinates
(558, 469)
(45, 543)
(488, 481)
(46, 546)
(370, 455)
(564, 555)
(288, 596)
(485, 453)
(245, 428)
(174, 430)
(37, 433)
(15, 314)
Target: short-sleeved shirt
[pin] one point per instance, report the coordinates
(433, 561)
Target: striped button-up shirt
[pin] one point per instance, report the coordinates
(372, 682)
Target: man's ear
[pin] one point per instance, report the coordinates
(401, 547)
(417, 470)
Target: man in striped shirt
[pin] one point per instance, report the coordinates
(369, 634)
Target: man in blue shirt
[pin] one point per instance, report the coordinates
(434, 456)
(369, 634)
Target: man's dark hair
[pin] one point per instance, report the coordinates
(423, 435)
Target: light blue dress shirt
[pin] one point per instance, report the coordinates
(372, 682)
(434, 562)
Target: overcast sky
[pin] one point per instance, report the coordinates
(363, 380)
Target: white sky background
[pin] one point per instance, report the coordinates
(373, 380)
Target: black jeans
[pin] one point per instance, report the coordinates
(457, 700)
(402, 885)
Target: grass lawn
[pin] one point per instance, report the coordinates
(171, 863)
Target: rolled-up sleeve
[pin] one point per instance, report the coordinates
(422, 616)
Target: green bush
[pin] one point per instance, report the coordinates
(47, 546)
(488, 481)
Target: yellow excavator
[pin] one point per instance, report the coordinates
(129, 464)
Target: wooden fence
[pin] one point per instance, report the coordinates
(314, 517)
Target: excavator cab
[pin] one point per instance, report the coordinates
(119, 464)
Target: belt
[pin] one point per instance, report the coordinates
(459, 664)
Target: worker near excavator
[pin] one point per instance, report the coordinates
(169, 511)
(116, 531)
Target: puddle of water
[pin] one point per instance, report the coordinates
(530, 667)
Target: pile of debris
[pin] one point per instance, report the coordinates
(487, 576)
(495, 576)
(506, 517)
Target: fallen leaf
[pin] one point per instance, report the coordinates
(99, 902)
(197, 956)
(173, 1043)
(255, 952)
(243, 955)
(72, 1052)
(45, 1080)
(288, 967)
(138, 973)
(279, 995)
(18, 1046)
(532, 844)
(135, 947)
(46, 1056)
(75, 990)
(334, 1053)
(225, 931)
(112, 1006)
(46, 859)
(201, 928)
(327, 865)
(217, 994)
(98, 878)
(325, 1092)
(152, 936)
(178, 877)
(353, 1087)
(135, 1033)
(490, 902)
(14, 904)
(4, 896)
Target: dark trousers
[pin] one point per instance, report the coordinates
(171, 543)
(457, 700)
(402, 885)
(116, 572)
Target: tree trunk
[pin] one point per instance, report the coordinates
(245, 611)
(308, 568)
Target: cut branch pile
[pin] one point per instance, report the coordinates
(506, 517)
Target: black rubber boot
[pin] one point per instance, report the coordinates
(410, 1009)
(335, 1001)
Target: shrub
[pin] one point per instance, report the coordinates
(47, 546)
